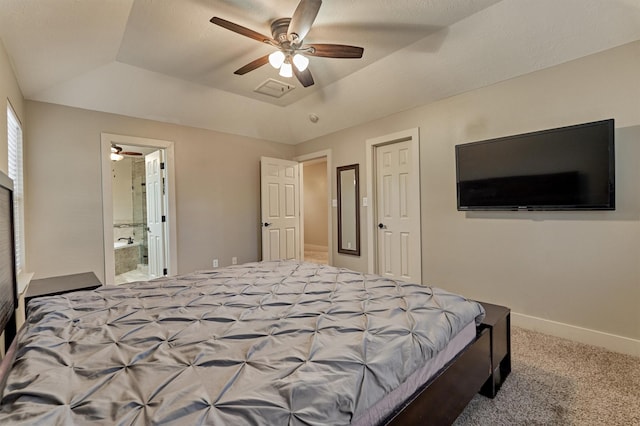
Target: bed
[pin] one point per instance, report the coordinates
(262, 343)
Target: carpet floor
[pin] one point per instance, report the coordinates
(559, 382)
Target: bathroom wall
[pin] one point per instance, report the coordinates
(122, 193)
(129, 198)
(129, 212)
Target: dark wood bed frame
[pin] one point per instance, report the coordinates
(441, 400)
(480, 368)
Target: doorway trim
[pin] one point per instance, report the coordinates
(107, 199)
(411, 135)
(308, 157)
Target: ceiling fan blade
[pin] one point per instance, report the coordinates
(334, 50)
(305, 77)
(241, 30)
(252, 65)
(302, 19)
(131, 153)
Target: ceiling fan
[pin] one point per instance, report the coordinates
(118, 154)
(288, 36)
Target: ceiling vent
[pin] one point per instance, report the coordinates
(274, 88)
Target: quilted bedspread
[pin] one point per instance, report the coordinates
(272, 343)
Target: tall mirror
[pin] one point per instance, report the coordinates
(348, 210)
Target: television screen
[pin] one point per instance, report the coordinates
(568, 168)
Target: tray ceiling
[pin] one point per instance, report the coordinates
(164, 60)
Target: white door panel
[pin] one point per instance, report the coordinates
(398, 212)
(280, 199)
(155, 213)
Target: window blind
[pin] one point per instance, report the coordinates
(14, 138)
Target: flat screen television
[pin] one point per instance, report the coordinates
(568, 168)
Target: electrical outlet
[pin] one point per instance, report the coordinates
(234, 260)
(215, 263)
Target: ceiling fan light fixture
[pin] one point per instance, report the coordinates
(115, 153)
(276, 59)
(300, 61)
(287, 36)
(286, 70)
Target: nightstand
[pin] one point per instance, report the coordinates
(61, 285)
(498, 321)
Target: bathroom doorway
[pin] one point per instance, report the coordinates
(130, 229)
(315, 198)
(138, 209)
(316, 243)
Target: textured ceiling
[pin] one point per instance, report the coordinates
(164, 60)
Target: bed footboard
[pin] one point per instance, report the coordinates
(440, 401)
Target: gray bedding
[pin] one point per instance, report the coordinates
(277, 343)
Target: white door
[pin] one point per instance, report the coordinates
(280, 199)
(398, 212)
(155, 213)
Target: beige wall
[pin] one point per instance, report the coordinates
(9, 91)
(576, 268)
(217, 190)
(315, 204)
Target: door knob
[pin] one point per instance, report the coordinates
(382, 226)
(267, 224)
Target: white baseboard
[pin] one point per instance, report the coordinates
(608, 341)
(315, 247)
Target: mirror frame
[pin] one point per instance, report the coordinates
(356, 168)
